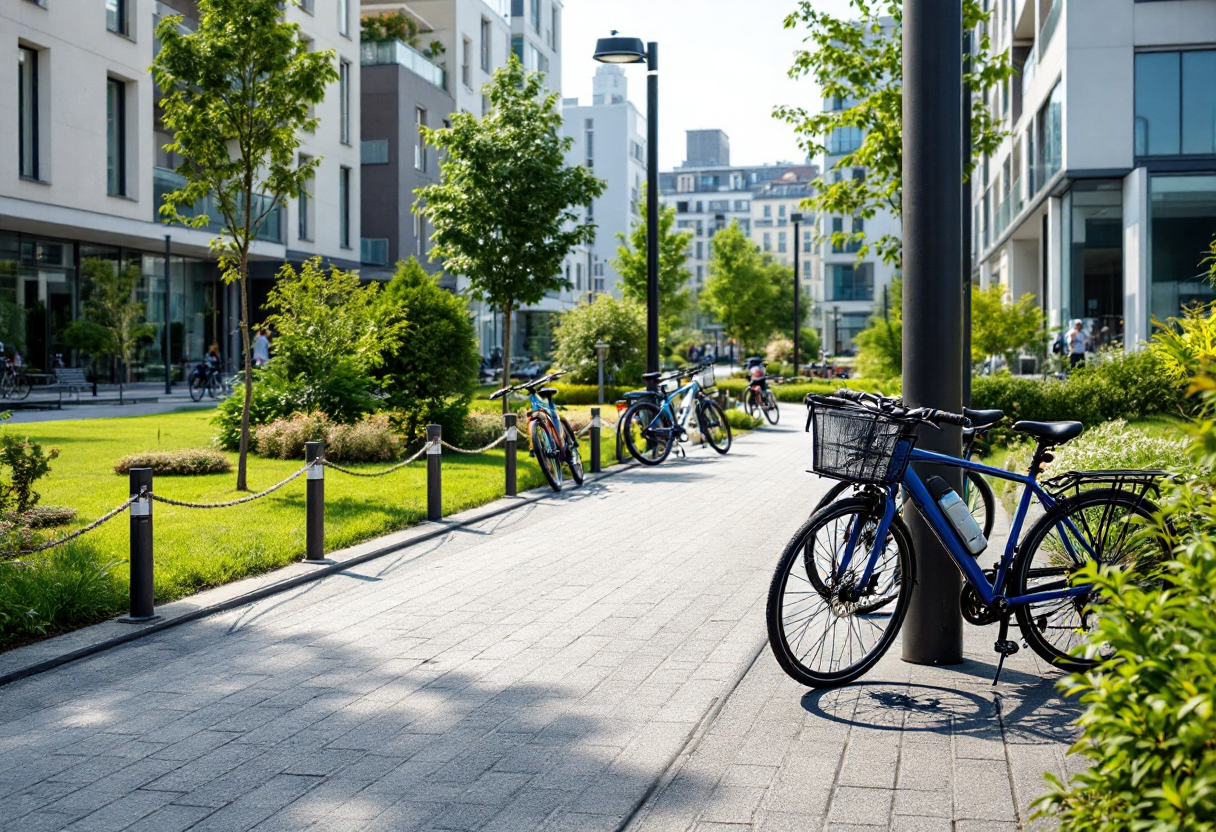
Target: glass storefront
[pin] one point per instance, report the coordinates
(1093, 258)
(1183, 216)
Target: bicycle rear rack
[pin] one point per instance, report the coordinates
(1137, 483)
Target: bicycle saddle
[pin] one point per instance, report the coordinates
(547, 392)
(1054, 433)
(650, 376)
(983, 418)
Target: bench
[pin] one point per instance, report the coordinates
(72, 381)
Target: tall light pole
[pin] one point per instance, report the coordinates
(797, 220)
(167, 345)
(622, 50)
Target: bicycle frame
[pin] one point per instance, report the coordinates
(537, 404)
(988, 592)
(690, 391)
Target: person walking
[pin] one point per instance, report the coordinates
(1076, 344)
(261, 349)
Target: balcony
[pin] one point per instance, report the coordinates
(165, 181)
(387, 53)
(1049, 27)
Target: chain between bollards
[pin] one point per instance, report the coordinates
(142, 607)
(434, 472)
(510, 423)
(314, 503)
(595, 441)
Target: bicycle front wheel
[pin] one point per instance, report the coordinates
(1106, 525)
(547, 452)
(771, 411)
(648, 432)
(198, 386)
(711, 420)
(825, 627)
(753, 403)
(574, 459)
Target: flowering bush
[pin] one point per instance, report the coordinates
(371, 439)
(184, 462)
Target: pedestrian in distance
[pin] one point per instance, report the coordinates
(261, 348)
(1077, 342)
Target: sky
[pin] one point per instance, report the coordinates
(722, 64)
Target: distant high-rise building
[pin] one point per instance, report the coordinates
(707, 149)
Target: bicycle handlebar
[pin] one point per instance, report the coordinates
(529, 386)
(894, 407)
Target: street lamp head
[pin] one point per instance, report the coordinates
(620, 50)
(795, 217)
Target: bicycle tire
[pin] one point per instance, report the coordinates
(1034, 620)
(21, 386)
(769, 405)
(198, 386)
(654, 448)
(834, 494)
(714, 426)
(786, 647)
(546, 452)
(752, 403)
(6, 385)
(978, 496)
(574, 457)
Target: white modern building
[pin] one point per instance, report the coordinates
(86, 173)
(772, 227)
(1102, 201)
(536, 33)
(609, 139)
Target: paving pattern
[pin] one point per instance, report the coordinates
(592, 661)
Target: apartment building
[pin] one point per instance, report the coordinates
(772, 222)
(1102, 201)
(609, 139)
(86, 173)
(536, 31)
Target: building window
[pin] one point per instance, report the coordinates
(806, 242)
(1092, 247)
(589, 141)
(485, 45)
(781, 213)
(116, 137)
(850, 281)
(844, 140)
(517, 49)
(1176, 103)
(534, 6)
(420, 142)
(373, 151)
(344, 17)
(344, 207)
(344, 99)
(116, 16)
(1183, 213)
(768, 241)
(304, 206)
(555, 27)
(27, 111)
(1049, 125)
(780, 242)
(466, 58)
(768, 211)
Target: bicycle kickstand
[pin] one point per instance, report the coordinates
(1004, 646)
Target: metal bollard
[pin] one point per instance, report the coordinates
(142, 604)
(510, 421)
(434, 473)
(314, 504)
(595, 440)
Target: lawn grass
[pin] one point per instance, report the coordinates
(196, 549)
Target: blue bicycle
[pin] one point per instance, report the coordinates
(843, 584)
(654, 424)
(553, 440)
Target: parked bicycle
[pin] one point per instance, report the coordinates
(977, 493)
(842, 586)
(653, 424)
(553, 440)
(207, 380)
(14, 383)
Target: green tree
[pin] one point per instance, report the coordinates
(740, 289)
(502, 208)
(880, 346)
(430, 375)
(237, 93)
(1002, 328)
(781, 310)
(857, 62)
(389, 27)
(619, 323)
(112, 322)
(630, 264)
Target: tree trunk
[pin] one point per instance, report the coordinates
(506, 351)
(242, 276)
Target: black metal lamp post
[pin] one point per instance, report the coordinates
(796, 218)
(622, 50)
(167, 356)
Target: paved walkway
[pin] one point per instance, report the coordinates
(137, 399)
(592, 661)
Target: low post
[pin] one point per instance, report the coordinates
(595, 440)
(142, 607)
(509, 422)
(434, 473)
(314, 503)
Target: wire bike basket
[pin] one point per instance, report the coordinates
(856, 444)
(705, 377)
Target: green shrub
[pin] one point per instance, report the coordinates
(371, 439)
(27, 464)
(1151, 709)
(45, 517)
(619, 323)
(1110, 445)
(480, 429)
(796, 393)
(62, 588)
(1187, 344)
(739, 420)
(184, 462)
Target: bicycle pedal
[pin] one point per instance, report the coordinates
(1005, 647)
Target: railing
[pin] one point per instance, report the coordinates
(165, 181)
(387, 53)
(1049, 26)
(1032, 60)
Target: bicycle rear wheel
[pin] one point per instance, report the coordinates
(1106, 525)
(648, 432)
(547, 451)
(198, 386)
(980, 500)
(769, 405)
(574, 459)
(752, 402)
(824, 629)
(711, 420)
(21, 386)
